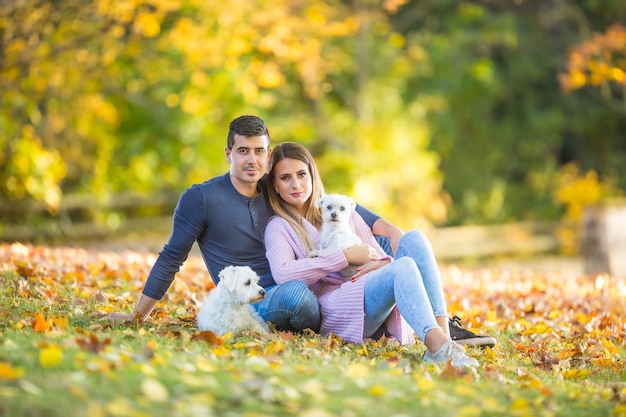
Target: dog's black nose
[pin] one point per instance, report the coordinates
(333, 214)
(262, 292)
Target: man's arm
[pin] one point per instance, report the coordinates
(384, 228)
(381, 227)
(143, 310)
(187, 224)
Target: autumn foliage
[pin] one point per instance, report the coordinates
(560, 347)
(601, 60)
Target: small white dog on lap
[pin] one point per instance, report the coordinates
(227, 307)
(336, 231)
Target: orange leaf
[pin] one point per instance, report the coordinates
(210, 338)
(286, 335)
(40, 324)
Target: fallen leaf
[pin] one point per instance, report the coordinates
(50, 356)
(41, 324)
(92, 344)
(154, 390)
(7, 371)
(208, 337)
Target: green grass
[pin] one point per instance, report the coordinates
(83, 366)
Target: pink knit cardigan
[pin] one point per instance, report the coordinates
(341, 300)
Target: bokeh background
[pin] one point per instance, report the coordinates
(433, 113)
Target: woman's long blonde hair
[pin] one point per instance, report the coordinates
(287, 211)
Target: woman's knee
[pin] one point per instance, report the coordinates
(415, 237)
(404, 266)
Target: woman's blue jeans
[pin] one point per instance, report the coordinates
(412, 282)
(290, 306)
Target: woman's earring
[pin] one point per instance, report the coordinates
(276, 189)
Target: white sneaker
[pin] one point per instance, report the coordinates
(451, 350)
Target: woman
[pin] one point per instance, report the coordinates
(390, 297)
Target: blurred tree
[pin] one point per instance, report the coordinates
(498, 118)
(446, 111)
(101, 97)
(599, 62)
(73, 74)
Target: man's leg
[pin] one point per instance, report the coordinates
(291, 306)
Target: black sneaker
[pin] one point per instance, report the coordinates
(464, 337)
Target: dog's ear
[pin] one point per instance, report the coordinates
(352, 203)
(319, 203)
(228, 278)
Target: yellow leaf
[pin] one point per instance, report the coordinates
(566, 353)
(357, 372)
(60, 322)
(464, 390)
(530, 381)
(620, 410)
(469, 411)
(204, 365)
(576, 373)
(50, 356)
(154, 390)
(274, 347)
(220, 351)
(424, 383)
(7, 371)
(603, 362)
(377, 390)
(120, 406)
(520, 404)
(489, 355)
(610, 346)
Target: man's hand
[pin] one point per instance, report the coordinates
(124, 317)
(143, 310)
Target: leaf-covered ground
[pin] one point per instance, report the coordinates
(560, 349)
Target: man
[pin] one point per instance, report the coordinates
(227, 215)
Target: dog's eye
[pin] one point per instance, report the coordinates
(342, 208)
(247, 283)
(328, 207)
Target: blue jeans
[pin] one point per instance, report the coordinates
(398, 283)
(290, 306)
(416, 245)
(412, 282)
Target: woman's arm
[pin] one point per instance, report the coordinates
(288, 259)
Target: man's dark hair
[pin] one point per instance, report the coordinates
(247, 126)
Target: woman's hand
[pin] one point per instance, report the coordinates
(369, 267)
(360, 254)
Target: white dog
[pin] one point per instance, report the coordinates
(336, 230)
(227, 307)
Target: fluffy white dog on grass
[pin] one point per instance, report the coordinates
(227, 307)
(336, 230)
